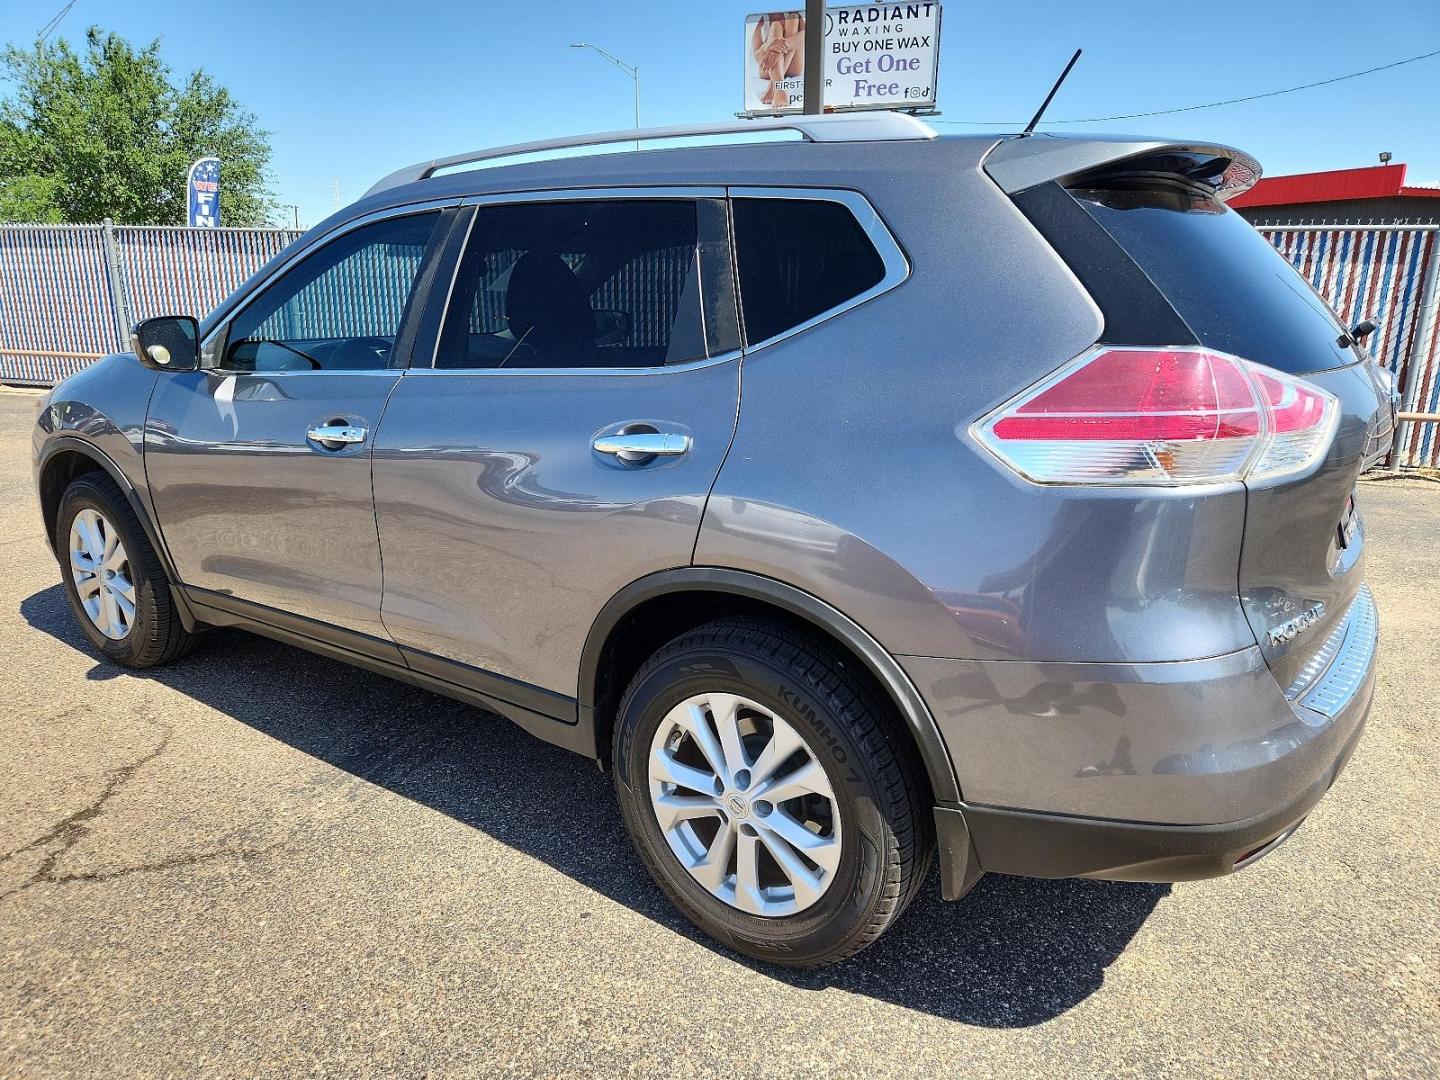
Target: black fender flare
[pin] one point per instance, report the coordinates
(62, 443)
(891, 676)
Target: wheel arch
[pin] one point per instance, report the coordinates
(67, 457)
(715, 591)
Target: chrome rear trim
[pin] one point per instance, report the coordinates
(1330, 679)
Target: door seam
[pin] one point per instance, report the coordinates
(375, 514)
(734, 267)
(714, 480)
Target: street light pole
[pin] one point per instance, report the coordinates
(629, 69)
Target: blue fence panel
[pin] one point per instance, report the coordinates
(176, 271)
(1380, 274)
(56, 310)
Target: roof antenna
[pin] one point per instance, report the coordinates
(1030, 127)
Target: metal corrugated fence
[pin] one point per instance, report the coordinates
(171, 270)
(67, 293)
(56, 309)
(1389, 274)
(364, 293)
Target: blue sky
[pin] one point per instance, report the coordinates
(353, 90)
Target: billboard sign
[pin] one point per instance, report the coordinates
(203, 185)
(877, 56)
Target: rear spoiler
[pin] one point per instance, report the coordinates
(1019, 163)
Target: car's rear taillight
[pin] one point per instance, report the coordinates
(1181, 415)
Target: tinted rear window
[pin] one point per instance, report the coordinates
(582, 284)
(798, 258)
(1229, 284)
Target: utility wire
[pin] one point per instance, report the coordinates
(1207, 105)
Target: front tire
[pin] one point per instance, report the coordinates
(771, 795)
(113, 578)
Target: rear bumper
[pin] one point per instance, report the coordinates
(986, 839)
(1128, 830)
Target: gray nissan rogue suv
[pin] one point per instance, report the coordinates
(858, 500)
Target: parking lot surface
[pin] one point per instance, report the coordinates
(261, 862)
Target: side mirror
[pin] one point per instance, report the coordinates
(1357, 334)
(1362, 330)
(167, 343)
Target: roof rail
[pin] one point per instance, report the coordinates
(826, 127)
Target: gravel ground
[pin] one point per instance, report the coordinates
(260, 862)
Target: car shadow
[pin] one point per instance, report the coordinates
(1013, 953)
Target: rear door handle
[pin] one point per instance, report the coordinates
(336, 433)
(643, 444)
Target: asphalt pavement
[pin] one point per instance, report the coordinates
(261, 862)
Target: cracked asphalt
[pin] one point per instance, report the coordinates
(260, 862)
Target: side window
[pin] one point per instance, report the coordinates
(579, 284)
(798, 258)
(340, 308)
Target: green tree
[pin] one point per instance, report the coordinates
(106, 133)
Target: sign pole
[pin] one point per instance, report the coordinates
(814, 56)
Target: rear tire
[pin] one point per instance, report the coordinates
(871, 803)
(113, 578)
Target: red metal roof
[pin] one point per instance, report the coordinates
(1372, 182)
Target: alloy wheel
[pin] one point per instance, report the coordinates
(744, 804)
(101, 572)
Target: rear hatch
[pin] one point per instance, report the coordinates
(1169, 264)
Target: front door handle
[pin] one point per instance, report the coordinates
(336, 433)
(643, 444)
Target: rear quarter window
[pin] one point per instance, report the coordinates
(1226, 281)
(798, 258)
